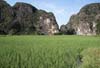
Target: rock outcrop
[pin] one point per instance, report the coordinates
(23, 18)
(6, 16)
(46, 23)
(86, 22)
(23, 22)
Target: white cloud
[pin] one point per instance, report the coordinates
(50, 7)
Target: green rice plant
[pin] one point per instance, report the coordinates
(49, 51)
(91, 58)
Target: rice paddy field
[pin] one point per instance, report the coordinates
(50, 51)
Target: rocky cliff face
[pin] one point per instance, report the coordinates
(23, 18)
(6, 16)
(46, 23)
(86, 22)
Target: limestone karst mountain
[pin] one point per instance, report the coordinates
(23, 18)
(86, 22)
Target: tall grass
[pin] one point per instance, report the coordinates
(46, 51)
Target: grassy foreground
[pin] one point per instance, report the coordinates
(49, 51)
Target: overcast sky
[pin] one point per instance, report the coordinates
(62, 9)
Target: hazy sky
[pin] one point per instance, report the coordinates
(62, 9)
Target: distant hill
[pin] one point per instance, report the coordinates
(86, 22)
(23, 18)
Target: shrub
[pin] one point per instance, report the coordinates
(91, 58)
